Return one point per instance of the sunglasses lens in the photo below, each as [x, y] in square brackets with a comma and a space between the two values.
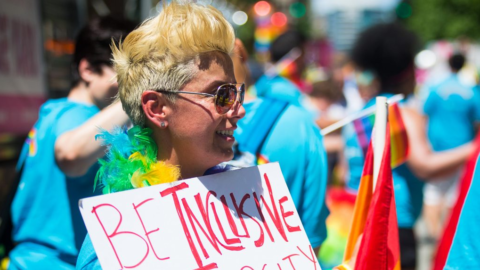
[226, 96]
[242, 93]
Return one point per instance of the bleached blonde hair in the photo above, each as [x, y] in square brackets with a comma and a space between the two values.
[161, 53]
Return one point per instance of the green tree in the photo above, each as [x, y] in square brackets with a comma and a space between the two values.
[445, 19]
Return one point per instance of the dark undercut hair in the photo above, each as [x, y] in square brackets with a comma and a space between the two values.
[456, 62]
[93, 43]
[388, 50]
[285, 43]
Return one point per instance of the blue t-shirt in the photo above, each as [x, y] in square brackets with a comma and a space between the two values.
[47, 227]
[407, 187]
[452, 108]
[465, 250]
[295, 142]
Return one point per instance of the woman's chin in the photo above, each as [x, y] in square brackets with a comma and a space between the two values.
[224, 156]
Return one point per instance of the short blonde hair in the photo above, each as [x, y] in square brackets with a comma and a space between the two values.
[161, 53]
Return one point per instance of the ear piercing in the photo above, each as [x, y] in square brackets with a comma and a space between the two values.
[162, 124]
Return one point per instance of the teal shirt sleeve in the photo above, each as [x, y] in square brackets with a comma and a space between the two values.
[465, 250]
[87, 259]
[74, 117]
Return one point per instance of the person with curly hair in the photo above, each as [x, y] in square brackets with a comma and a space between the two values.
[384, 58]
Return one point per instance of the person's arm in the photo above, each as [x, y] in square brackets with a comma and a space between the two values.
[333, 143]
[77, 149]
[324, 122]
[422, 160]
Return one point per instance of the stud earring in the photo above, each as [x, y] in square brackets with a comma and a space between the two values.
[162, 124]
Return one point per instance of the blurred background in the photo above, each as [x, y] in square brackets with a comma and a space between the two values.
[37, 42]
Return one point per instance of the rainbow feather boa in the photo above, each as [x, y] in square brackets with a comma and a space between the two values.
[131, 161]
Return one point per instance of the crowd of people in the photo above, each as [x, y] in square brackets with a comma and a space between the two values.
[182, 79]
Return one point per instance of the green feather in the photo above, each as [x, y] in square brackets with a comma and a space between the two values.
[116, 169]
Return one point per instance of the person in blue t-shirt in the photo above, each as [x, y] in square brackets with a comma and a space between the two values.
[383, 55]
[58, 161]
[289, 136]
[452, 110]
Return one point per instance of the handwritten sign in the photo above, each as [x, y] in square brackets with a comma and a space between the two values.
[243, 219]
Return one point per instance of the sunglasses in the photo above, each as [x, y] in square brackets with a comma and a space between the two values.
[225, 95]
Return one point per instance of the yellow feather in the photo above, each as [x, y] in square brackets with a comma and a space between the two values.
[137, 155]
[159, 173]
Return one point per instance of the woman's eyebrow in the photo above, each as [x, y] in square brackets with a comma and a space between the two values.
[212, 86]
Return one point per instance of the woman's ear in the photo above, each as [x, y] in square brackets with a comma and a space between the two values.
[155, 108]
[85, 71]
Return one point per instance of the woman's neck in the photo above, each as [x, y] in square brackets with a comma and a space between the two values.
[166, 153]
[80, 94]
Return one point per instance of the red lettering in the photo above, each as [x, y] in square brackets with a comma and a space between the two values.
[229, 241]
[274, 216]
[231, 222]
[241, 213]
[245, 267]
[234, 201]
[289, 257]
[191, 217]
[262, 218]
[287, 214]
[147, 234]
[116, 232]
[311, 259]
[173, 191]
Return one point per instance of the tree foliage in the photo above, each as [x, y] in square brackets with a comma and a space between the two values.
[445, 19]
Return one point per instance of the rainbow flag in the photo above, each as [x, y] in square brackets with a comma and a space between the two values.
[287, 68]
[363, 127]
[360, 212]
[261, 159]
[373, 240]
[398, 134]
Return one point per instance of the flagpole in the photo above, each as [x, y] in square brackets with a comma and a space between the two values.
[379, 130]
[360, 114]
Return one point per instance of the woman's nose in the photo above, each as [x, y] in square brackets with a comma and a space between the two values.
[237, 111]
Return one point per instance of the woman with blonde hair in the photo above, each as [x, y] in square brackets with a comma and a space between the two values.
[177, 84]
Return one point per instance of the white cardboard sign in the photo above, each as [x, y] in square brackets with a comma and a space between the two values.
[241, 220]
